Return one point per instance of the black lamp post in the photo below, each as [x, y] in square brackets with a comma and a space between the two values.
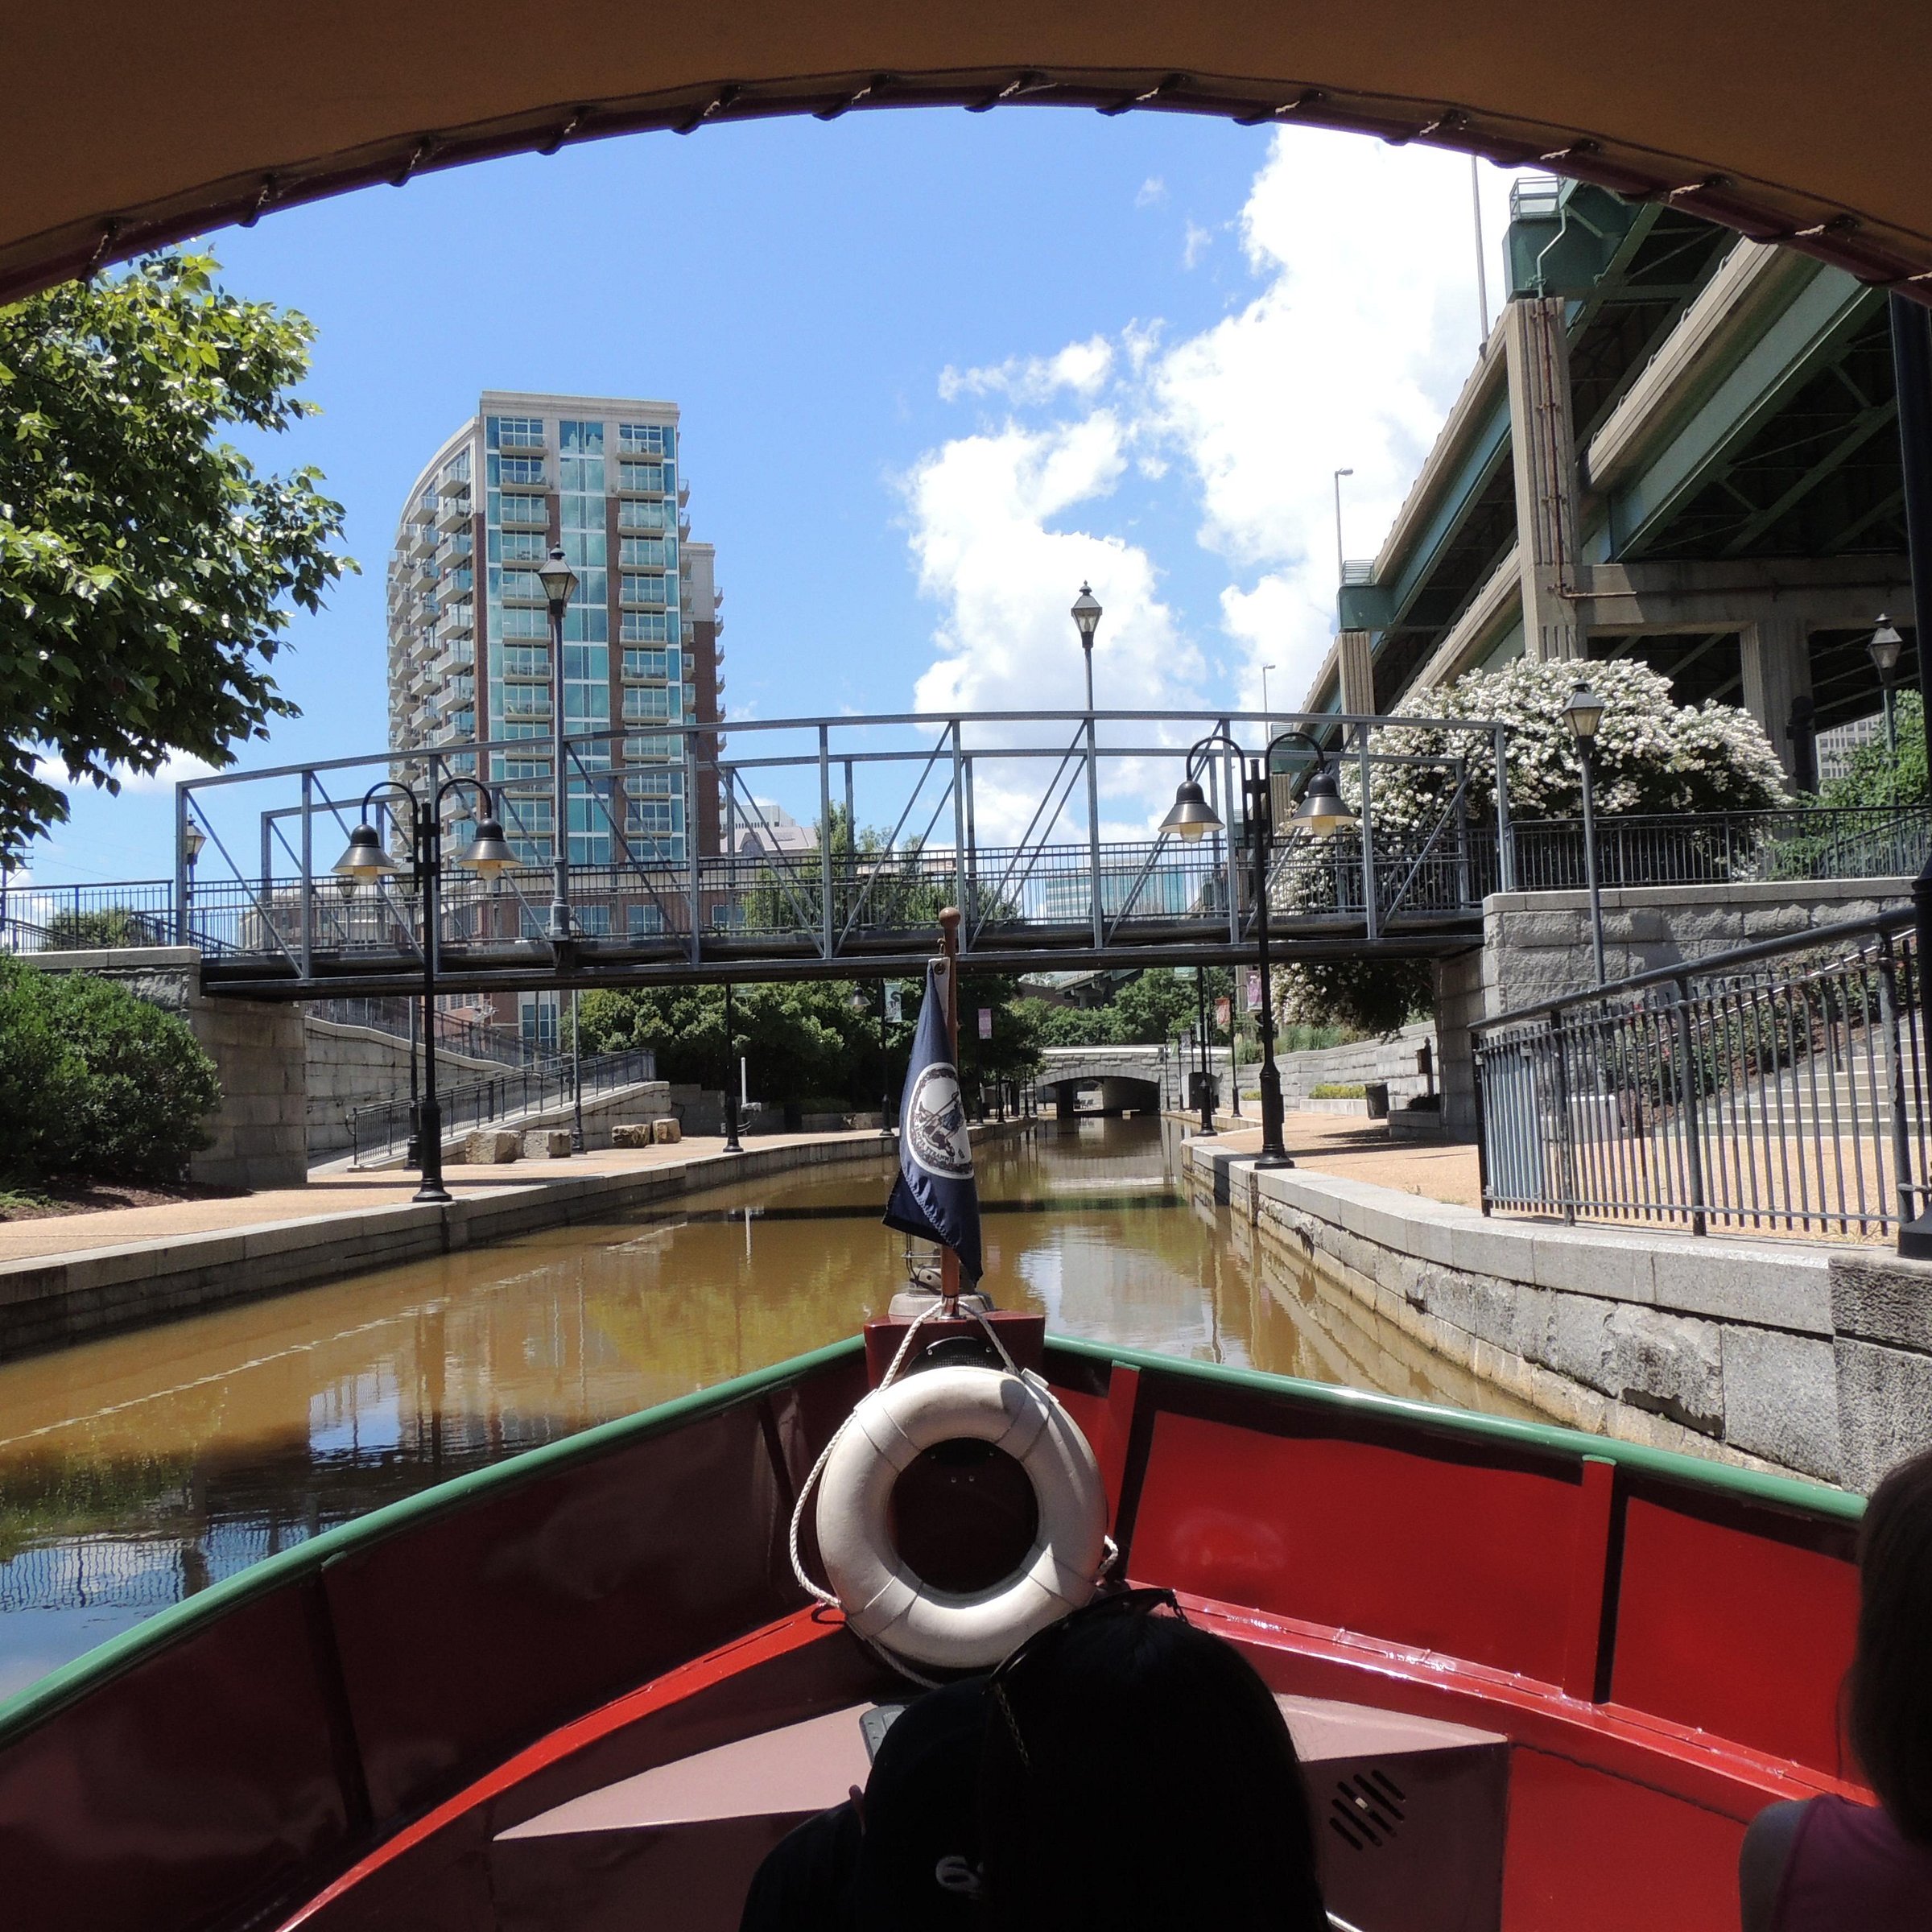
[1585, 712]
[193, 839]
[1200, 1001]
[487, 854]
[1321, 812]
[1087, 620]
[1885, 647]
[559, 581]
[731, 1086]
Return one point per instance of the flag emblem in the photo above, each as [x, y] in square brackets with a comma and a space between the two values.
[935, 1118]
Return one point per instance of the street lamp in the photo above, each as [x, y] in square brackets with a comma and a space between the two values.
[559, 581]
[1885, 647]
[487, 854]
[193, 839]
[1585, 712]
[1087, 620]
[1321, 812]
[731, 1086]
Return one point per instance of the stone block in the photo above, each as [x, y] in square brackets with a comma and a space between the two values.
[547, 1144]
[633, 1133]
[1780, 1399]
[1669, 1366]
[665, 1132]
[1884, 1409]
[1883, 1297]
[491, 1146]
[1577, 1341]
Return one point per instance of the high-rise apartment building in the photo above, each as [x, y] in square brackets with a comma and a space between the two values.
[469, 626]
[469, 646]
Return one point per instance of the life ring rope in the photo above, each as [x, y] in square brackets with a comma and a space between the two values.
[830, 1597]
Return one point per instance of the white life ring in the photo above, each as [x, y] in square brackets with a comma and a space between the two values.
[883, 1599]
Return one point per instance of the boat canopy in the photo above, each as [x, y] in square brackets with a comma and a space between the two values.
[129, 126]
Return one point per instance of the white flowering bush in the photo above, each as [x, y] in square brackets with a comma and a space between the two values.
[1652, 756]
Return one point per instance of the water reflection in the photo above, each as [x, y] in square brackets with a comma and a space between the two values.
[137, 1469]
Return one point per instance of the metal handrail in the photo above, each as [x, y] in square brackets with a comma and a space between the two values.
[380, 1127]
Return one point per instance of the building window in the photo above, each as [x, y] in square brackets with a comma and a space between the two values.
[658, 781]
[653, 818]
[513, 432]
[643, 552]
[654, 749]
[645, 922]
[645, 627]
[516, 546]
[640, 475]
[583, 439]
[579, 472]
[521, 661]
[641, 516]
[646, 439]
[521, 509]
[515, 621]
[646, 704]
[644, 587]
[644, 665]
[514, 469]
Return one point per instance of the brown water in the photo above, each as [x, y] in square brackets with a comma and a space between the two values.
[137, 1469]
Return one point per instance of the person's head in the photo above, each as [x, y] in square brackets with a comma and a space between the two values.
[1891, 1710]
[1136, 1772]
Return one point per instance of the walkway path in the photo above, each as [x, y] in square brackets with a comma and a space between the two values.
[1350, 1145]
[345, 1194]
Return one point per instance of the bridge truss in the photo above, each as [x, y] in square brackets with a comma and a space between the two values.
[985, 810]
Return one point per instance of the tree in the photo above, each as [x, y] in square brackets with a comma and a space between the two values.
[1874, 777]
[147, 567]
[1653, 755]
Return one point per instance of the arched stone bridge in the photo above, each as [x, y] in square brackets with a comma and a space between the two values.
[1128, 1077]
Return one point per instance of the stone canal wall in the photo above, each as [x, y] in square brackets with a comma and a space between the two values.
[1789, 1355]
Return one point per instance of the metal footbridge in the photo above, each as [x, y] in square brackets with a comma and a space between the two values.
[987, 812]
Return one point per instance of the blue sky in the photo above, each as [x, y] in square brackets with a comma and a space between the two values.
[935, 368]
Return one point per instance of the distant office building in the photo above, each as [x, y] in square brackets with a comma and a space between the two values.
[469, 656]
[764, 826]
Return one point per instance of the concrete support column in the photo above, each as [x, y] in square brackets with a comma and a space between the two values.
[1543, 440]
[1775, 654]
[1355, 669]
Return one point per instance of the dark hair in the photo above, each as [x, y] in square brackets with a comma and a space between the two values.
[1891, 1706]
[1138, 1773]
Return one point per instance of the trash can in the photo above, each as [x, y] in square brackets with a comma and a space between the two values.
[1375, 1093]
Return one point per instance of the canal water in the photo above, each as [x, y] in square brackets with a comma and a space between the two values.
[137, 1469]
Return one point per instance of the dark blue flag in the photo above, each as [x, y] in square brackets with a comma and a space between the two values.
[934, 1198]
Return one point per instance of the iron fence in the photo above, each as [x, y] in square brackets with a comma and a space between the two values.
[386, 1127]
[1779, 1088]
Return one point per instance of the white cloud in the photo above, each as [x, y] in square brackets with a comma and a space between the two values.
[1360, 330]
[178, 766]
[1154, 191]
[1082, 367]
[1194, 244]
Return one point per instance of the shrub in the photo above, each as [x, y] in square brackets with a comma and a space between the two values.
[96, 1082]
[103, 927]
[1336, 1090]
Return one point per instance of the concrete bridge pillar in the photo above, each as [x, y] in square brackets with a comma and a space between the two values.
[1354, 667]
[1543, 439]
[1775, 652]
[1064, 1097]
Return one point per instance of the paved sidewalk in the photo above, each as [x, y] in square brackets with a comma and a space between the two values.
[54, 1235]
[1348, 1144]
